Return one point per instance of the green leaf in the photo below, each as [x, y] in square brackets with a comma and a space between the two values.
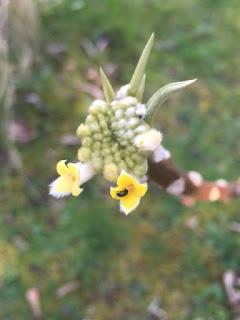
[140, 92]
[107, 87]
[140, 68]
[160, 96]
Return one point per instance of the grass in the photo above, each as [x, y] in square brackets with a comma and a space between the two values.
[122, 263]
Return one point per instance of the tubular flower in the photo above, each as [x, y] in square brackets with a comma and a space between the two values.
[117, 137]
[128, 191]
[71, 176]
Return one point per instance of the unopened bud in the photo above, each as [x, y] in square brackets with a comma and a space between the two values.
[90, 119]
[119, 114]
[86, 141]
[133, 122]
[84, 154]
[83, 130]
[142, 128]
[130, 112]
[111, 172]
[149, 140]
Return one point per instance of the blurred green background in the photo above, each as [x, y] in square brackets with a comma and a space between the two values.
[117, 265]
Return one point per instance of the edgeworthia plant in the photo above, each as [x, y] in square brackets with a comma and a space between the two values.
[117, 138]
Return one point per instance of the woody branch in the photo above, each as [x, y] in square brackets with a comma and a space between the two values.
[189, 186]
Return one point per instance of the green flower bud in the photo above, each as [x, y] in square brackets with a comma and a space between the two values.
[106, 152]
[107, 140]
[97, 145]
[142, 128]
[131, 164]
[129, 134]
[138, 157]
[115, 125]
[97, 164]
[131, 149]
[128, 101]
[119, 114]
[111, 172]
[104, 108]
[122, 123]
[84, 154]
[94, 126]
[122, 165]
[108, 159]
[86, 141]
[130, 112]
[90, 119]
[94, 109]
[141, 170]
[97, 137]
[133, 122]
[117, 157]
[83, 130]
[103, 124]
[114, 147]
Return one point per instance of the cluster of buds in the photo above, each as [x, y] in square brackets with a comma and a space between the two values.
[114, 138]
[117, 139]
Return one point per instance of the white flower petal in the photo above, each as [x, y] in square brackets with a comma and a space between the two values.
[86, 171]
[160, 154]
[57, 194]
[141, 110]
[149, 140]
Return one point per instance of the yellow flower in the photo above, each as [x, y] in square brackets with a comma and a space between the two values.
[68, 182]
[129, 191]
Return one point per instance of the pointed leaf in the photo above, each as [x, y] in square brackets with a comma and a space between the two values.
[107, 87]
[160, 96]
[140, 68]
[140, 92]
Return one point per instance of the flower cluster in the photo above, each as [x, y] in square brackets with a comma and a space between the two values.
[115, 137]
[116, 140]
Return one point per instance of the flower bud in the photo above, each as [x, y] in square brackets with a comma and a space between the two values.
[133, 122]
[94, 127]
[114, 147]
[130, 112]
[142, 128]
[141, 170]
[97, 137]
[141, 110]
[110, 172]
[98, 102]
[128, 101]
[83, 130]
[97, 145]
[117, 157]
[108, 159]
[97, 164]
[129, 134]
[119, 114]
[104, 108]
[149, 140]
[94, 109]
[86, 141]
[84, 154]
[131, 163]
[106, 152]
[90, 119]
[122, 123]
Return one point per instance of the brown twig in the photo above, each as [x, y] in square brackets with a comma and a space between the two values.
[190, 186]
